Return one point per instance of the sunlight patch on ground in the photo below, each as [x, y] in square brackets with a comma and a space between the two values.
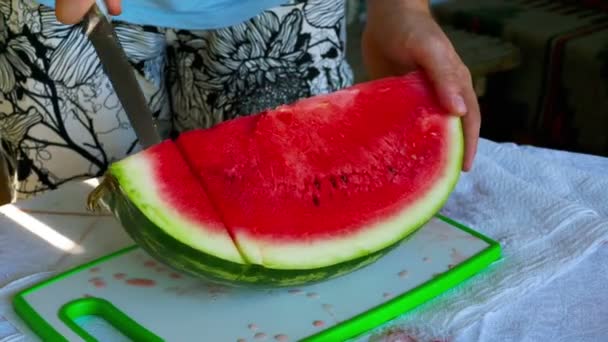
[93, 182]
[40, 229]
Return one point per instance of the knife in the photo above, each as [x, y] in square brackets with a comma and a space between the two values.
[97, 28]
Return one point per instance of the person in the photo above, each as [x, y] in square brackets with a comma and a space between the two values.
[199, 62]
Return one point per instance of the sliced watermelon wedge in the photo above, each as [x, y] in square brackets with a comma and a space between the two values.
[330, 178]
[304, 192]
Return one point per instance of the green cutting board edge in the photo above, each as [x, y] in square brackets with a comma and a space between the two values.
[52, 308]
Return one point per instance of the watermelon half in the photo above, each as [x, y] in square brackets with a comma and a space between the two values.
[302, 193]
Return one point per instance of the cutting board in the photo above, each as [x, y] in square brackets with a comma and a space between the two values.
[128, 296]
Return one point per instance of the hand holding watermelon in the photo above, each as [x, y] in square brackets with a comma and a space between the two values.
[402, 35]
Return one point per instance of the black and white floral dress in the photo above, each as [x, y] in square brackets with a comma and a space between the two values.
[61, 121]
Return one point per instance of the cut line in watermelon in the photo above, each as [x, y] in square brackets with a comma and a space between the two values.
[301, 193]
[178, 205]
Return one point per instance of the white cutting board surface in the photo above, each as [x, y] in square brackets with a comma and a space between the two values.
[177, 307]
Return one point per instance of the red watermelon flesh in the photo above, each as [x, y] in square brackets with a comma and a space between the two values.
[330, 178]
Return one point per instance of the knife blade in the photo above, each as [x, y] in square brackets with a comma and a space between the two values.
[99, 30]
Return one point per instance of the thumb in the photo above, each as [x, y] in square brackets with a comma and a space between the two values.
[448, 85]
[72, 12]
[449, 90]
[446, 73]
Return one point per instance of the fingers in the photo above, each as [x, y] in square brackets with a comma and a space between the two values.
[471, 123]
[72, 11]
[114, 7]
[454, 87]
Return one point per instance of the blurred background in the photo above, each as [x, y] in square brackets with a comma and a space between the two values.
[540, 66]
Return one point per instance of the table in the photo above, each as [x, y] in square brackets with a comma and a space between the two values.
[51, 233]
[564, 298]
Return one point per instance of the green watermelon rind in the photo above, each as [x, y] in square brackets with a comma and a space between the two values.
[179, 256]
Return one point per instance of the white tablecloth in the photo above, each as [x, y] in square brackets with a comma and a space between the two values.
[548, 209]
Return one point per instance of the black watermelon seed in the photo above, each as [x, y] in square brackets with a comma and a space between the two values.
[317, 184]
